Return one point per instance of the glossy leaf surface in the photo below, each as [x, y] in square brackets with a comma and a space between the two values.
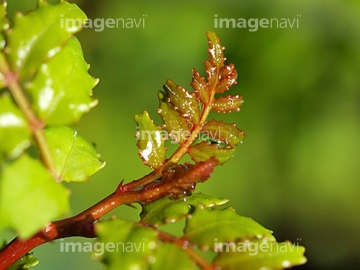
[203, 151]
[201, 87]
[227, 133]
[167, 210]
[150, 142]
[14, 132]
[204, 225]
[40, 34]
[61, 91]
[227, 104]
[260, 254]
[176, 126]
[75, 159]
[183, 101]
[36, 200]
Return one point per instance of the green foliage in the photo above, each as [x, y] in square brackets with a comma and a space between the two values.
[47, 87]
[26, 262]
[43, 61]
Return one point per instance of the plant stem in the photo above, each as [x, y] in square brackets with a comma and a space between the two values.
[35, 125]
[83, 223]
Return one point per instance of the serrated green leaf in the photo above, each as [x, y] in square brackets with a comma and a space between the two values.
[25, 262]
[183, 101]
[216, 50]
[176, 126]
[260, 254]
[171, 256]
[167, 210]
[203, 151]
[205, 227]
[29, 196]
[14, 132]
[39, 35]
[227, 104]
[126, 245]
[151, 145]
[75, 159]
[61, 91]
[227, 133]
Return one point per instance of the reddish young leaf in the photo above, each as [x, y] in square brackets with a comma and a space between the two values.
[227, 104]
[228, 77]
[216, 50]
[200, 86]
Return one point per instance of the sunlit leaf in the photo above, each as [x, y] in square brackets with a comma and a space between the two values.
[39, 35]
[61, 91]
[150, 141]
[204, 227]
[259, 254]
[14, 132]
[176, 126]
[167, 210]
[75, 159]
[124, 245]
[29, 196]
[227, 104]
[203, 151]
[183, 101]
[227, 133]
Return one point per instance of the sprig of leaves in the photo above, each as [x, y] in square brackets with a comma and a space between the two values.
[45, 86]
[185, 114]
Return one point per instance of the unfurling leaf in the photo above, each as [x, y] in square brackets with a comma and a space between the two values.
[203, 151]
[61, 98]
[176, 126]
[150, 142]
[167, 210]
[259, 254]
[228, 75]
[224, 132]
[201, 87]
[183, 101]
[39, 35]
[29, 196]
[75, 159]
[237, 227]
[227, 104]
[14, 131]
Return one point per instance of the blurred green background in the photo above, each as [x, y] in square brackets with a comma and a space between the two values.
[297, 172]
